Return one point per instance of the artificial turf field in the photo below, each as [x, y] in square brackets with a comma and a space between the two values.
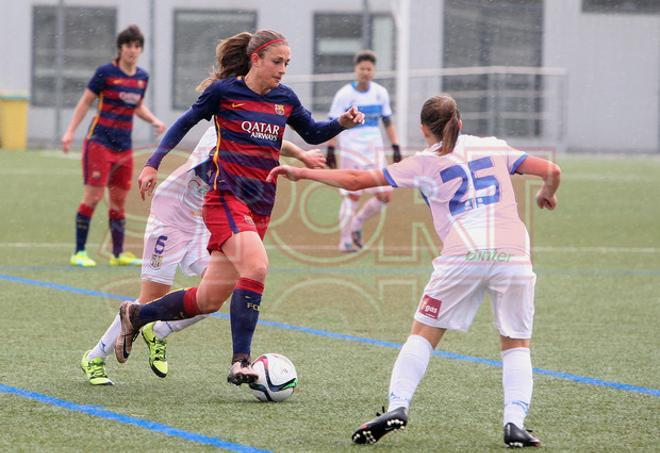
[340, 318]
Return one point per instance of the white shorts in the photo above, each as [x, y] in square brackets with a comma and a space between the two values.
[166, 246]
[368, 154]
[457, 286]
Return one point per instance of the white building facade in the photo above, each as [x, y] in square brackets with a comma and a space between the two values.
[602, 92]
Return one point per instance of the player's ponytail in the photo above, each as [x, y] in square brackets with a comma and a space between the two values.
[230, 59]
[450, 133]
[441, 115]
[232, 55]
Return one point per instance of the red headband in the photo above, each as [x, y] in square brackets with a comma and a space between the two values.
[263, 46]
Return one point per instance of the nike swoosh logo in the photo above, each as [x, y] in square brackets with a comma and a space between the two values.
[235, 105]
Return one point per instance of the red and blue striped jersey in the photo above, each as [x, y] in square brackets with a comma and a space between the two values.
[119, 95]
[250, 128]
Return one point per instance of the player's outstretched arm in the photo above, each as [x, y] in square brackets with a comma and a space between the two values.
[313, 158]
[350, 180]
[351, 118]
[551, 175]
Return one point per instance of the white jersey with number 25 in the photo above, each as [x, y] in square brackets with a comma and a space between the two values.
[470, 194]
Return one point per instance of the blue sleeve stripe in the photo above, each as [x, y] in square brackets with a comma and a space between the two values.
[517, 163]
[389, 178]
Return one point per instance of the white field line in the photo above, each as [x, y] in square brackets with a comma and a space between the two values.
[591, 249]
[41, 245]
[540, 248]
[39, 172]
[568, 177]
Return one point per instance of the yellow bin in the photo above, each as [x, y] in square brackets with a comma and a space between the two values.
[13, 120]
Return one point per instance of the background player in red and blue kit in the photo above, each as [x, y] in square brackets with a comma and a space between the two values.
[107, 157]
[250, 109]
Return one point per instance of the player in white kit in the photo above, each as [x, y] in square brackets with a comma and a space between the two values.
[361, 148]
[466, 182]
[175, 236]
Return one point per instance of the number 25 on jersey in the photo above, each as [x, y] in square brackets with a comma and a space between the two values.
[458, 204]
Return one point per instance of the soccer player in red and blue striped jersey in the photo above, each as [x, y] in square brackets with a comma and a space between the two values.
[107, 157]
[250, 109]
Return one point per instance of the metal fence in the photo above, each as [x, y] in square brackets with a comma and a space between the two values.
[526, 106]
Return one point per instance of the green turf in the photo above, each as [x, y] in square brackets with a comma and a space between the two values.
[597, 311]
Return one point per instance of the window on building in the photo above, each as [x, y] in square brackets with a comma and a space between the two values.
[337, 38]
[89, 41]
[502, 33]
[196, 34]
[621, 6]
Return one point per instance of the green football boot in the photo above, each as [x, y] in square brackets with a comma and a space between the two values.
[157, 350]
[80, 259]
[125, 259]
[94, 370]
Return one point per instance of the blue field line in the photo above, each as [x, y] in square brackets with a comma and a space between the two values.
[364, 340]
[71, 289]
[98, 411]
[460, 357]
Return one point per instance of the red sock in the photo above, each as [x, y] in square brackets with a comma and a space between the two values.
[85, 210]
[250, 285]
[190, 302]
[114, 214]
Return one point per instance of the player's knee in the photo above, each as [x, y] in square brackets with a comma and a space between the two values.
[92, 200]
[255, 269]
[258, 271]
[384, 197]
[117, 203]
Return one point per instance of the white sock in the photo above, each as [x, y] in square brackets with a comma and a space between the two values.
[517, 383]
[346, 214]
[163, 328]
[372, 207]
[107, 342]
[408, 371]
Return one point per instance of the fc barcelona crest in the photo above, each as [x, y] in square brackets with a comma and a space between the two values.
[248, 220]
[279, 109]
[141, 83]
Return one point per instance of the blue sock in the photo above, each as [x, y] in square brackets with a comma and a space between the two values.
[244, 314]
[170, 307]
[82, 229]
[117, 228]
[83, 219]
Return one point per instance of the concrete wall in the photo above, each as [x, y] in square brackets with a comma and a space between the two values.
[613, 64]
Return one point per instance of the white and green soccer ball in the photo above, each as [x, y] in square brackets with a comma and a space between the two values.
[277, 377]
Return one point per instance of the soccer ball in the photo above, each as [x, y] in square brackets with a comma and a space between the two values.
[277, 377]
